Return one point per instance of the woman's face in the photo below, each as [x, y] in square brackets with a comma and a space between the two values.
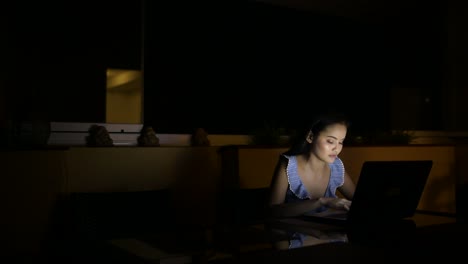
[329, 143]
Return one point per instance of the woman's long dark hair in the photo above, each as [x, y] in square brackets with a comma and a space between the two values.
[299, 144]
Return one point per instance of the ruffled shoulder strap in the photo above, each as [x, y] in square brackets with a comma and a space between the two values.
[295, 184]
[337, 175]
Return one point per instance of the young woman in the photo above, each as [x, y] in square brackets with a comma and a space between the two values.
[308, 175]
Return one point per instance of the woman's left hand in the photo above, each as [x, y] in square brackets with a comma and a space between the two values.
[335, 203]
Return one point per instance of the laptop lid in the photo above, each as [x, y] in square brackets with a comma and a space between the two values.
[385, 191]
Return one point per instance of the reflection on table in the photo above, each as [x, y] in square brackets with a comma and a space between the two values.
[293, 233]
[422, 238]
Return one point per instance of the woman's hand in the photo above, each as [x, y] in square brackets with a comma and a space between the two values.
[335, 203]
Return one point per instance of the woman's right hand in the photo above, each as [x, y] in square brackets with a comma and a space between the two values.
[335, 203]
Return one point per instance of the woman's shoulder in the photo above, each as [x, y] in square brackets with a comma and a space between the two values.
[285, 156]
[288, 160]
[337, 165]
[338, 161]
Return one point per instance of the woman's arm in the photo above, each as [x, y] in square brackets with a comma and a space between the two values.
[348, 187]
[294, 209]
[279, 183]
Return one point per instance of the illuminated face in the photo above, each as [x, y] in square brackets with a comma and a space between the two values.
[329, 143]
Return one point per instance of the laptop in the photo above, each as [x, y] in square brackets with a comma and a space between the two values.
[386, 191]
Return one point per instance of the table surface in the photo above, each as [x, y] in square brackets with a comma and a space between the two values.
[422, 237]
[296, 232]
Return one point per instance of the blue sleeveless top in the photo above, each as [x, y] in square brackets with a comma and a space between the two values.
[297, 191]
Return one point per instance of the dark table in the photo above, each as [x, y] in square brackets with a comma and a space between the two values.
[423, 238]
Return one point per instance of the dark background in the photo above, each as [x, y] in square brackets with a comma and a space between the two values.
[227, 66]
[237, 67]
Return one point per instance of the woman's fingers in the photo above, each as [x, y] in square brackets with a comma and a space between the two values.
[337, 203]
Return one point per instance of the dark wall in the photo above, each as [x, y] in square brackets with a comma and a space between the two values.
[228, 67]
[58, 54]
